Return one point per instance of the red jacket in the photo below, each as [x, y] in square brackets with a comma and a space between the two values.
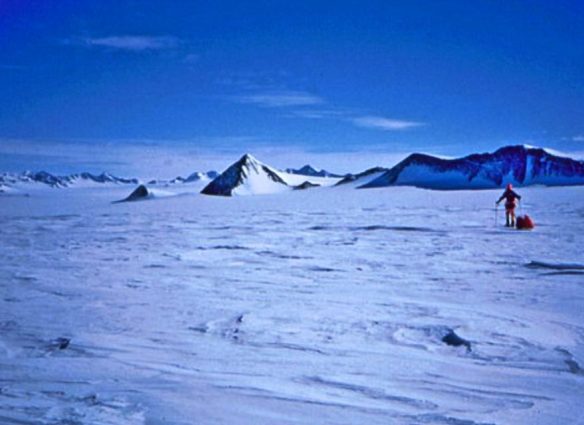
[510, 196]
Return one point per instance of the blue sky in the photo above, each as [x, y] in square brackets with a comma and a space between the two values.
[170, 87]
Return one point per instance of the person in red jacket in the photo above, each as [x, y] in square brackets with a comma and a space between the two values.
[511, 199]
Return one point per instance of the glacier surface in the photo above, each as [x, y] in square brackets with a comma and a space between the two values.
[325, 306]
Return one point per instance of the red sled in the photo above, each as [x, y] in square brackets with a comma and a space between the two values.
[524, 222]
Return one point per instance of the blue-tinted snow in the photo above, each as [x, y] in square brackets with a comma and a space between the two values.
[327, 306]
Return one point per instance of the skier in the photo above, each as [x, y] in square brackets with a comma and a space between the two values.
[510, 201]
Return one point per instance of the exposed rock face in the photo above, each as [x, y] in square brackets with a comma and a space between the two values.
[520, 165]
[140, 193]
[451, 338]
[246, 177]
[306, 185]
[349, 178]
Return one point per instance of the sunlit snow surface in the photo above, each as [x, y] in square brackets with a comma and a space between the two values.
[319, 307]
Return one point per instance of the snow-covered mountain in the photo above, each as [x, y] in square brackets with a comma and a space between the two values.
[198, 176]
[308, 170]
[520, 165]
[195, 177]
[8, 180]
[248, 176]
[43, 177]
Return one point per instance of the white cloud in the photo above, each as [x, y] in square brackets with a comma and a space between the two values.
[578, 138]
[319, 113]
[143, 158]
[387, 124]
[306, 105]
[280, 99]
[147, 159]
[136, 43]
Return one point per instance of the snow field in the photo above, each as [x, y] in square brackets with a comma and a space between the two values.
[323, 306]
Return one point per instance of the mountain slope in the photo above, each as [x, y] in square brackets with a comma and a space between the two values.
[520, 165]
[248, 176]
[365, 177]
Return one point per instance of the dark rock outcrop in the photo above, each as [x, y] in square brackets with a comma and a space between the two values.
[451, 338]
[306, 185]
[349, 178]
[139, 194]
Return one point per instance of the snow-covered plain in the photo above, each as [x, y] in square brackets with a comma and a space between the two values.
[324, 306]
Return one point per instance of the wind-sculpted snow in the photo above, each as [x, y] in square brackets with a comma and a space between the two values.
[317, 306]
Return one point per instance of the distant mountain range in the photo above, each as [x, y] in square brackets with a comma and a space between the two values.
[310, 171]
[521, 165]
[52, 180]
[193, 178]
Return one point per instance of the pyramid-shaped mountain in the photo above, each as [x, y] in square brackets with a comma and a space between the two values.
[248, 176]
